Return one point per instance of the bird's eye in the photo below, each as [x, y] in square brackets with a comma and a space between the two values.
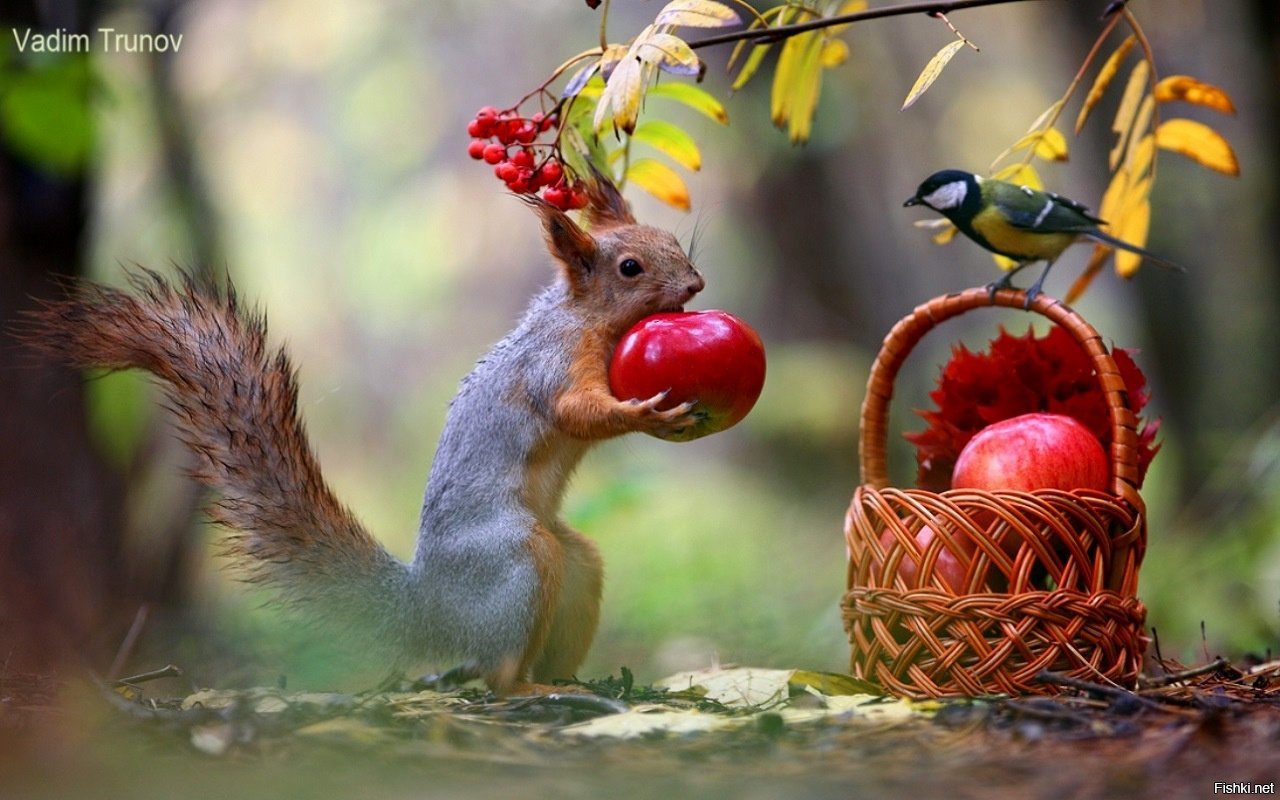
[630, 268]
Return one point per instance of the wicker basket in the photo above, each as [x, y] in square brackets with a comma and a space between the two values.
[1064, 564]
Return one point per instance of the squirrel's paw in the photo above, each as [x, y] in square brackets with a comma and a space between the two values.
[649, 418]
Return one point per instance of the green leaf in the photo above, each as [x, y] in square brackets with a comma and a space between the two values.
[694, 97]
[671, 141]
[698, 14]
[659, 180]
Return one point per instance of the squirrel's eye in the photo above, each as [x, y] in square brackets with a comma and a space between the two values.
[630, 268]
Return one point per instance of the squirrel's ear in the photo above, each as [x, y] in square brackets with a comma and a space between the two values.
[605, 206]
[570, 244]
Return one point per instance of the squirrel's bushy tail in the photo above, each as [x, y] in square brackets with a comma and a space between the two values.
[235, 402]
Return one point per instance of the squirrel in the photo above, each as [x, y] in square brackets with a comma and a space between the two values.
[498, 583]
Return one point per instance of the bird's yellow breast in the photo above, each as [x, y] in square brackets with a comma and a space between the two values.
[1018, 243]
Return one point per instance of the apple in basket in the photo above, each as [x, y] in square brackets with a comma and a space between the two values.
[710, 358]
[1032, 451]
[949, 567]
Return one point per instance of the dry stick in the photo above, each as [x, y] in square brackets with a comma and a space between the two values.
[168, 671]
[130, 639]
[787, 31]
[1179, 677]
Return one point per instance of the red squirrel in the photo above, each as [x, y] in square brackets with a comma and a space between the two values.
[498, 582]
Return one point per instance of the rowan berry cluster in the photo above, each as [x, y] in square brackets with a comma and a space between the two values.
[508, 141]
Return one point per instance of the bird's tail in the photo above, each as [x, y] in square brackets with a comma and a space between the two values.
[1111, 241]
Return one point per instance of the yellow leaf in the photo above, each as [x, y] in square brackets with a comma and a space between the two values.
[670, 140]
[797, 84]
[694, 97]
[1137, 220]
[621, 97]
[1052, 146]
[1141, 124]
[697, 14]
[946, 234]
[931, 72]
[1138, 160]
[1049, 143]
[834, 53]
[660, 181]
[1129, 101]
[1020, 175]
[1044, 117]
[1103, 80]
[758, 52]
[1113, 197]
[946, 230]
[669, 53]
[1199, 142]
[1188, 89]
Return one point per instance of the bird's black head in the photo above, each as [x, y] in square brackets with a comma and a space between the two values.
[947, 191]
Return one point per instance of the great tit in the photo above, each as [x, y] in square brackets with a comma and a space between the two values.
[1019, 222]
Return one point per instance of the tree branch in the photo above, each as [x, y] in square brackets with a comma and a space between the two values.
[786, 31]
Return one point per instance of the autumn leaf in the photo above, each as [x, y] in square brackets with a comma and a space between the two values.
[783, 14]
[1190, 90]
[660, 181]
[1128, 109]
[693, 97]
[1200, 143]
[797, 84]
[1021, 175]
[670, 140]
[1103, 80]
[1049, 144]
[668, 53]
[931, 72]
[697, 14]
[1132, 224]
[620, 100]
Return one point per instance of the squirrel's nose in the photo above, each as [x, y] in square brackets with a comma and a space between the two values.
[696, 285]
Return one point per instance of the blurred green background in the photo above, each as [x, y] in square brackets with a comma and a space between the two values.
[316, 151]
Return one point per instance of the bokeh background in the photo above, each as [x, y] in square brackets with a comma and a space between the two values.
[316, 152]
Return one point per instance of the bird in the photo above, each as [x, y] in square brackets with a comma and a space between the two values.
[1018, 222]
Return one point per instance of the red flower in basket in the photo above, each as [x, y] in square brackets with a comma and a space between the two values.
[1022, 375]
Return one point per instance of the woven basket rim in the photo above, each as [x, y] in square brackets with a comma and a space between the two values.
[907, 333]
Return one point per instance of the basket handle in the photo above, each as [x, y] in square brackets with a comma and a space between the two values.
[911, 328]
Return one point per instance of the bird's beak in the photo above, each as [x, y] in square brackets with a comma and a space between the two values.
[911, 201]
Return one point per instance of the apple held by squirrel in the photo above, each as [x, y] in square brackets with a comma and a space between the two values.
[498, 582]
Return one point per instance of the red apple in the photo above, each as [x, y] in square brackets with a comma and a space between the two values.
[1033, 451]
[711, 358]
[949, 566]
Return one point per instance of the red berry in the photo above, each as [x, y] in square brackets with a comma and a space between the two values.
[476, 149]
[506, 171]
[555, 196]
[494, 153]
[486, 111]
[507, 131]
[519, 185]
[526, 133]
[474, 129]
[551, 172]
[522, 158]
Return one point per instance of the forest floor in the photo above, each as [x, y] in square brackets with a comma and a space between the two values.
[740, 733]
